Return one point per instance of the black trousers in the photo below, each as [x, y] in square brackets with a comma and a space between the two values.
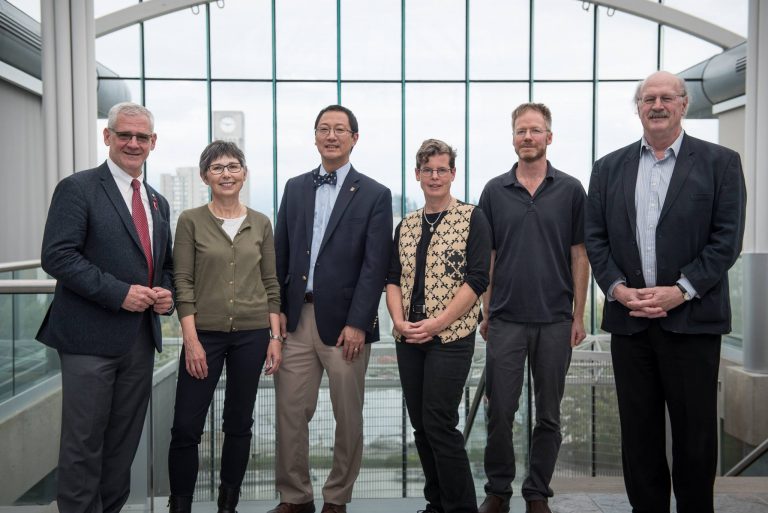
[244, 353]
[433, 377]
[654, 368]
[104, 403]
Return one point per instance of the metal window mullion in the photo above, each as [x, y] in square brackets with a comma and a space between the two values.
[208, 85]
[338, 52]
[274, 114]
[595, 83]
[530, 50]
[402, 110]
[466, 100]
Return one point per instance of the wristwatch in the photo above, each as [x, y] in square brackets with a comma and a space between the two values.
[686, 295]
[276, 337]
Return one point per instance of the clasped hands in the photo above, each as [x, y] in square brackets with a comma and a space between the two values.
[139, 298]
[651, 302]
[419, 332]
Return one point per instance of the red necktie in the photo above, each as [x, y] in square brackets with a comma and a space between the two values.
[142, 227]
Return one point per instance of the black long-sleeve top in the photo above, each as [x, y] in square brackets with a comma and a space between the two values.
[478, 255]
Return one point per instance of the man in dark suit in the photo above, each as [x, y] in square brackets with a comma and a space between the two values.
[665, 220]
[107, 242]
[332, 240]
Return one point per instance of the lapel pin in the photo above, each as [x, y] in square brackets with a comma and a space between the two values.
[352, 189]
[154, 202]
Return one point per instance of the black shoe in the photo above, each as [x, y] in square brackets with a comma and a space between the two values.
[178, 504]
[429, 509]
[228, 498]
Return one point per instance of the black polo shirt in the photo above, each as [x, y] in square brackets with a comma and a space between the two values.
[532, 237]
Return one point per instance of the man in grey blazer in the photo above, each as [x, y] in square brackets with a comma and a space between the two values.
[107, 242]
[332, 241]
[665, 221]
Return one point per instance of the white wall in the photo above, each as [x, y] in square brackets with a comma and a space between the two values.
[22, 182]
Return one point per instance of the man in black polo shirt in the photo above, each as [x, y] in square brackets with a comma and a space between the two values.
[534, 306]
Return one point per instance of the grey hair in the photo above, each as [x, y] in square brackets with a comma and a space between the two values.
[218, 149]
[680, 83]
[129, 109]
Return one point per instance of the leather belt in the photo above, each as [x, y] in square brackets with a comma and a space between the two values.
[309, 297]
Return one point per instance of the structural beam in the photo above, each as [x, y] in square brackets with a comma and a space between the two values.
[679, 20]
[141, 12]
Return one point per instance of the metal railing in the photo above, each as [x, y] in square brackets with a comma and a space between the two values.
[750, 460]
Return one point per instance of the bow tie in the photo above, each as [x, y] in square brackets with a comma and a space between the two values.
[320, 180]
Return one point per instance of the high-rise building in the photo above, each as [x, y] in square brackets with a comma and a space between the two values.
[229, 125]
[183, 190]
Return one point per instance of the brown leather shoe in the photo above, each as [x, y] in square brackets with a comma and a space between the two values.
[494, 504]
[537, 506]
[333, 508]
[287, 507]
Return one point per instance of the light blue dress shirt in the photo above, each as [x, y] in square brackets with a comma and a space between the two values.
[653, 177]
[325, 199]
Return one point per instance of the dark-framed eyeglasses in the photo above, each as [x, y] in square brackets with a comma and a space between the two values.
[217, 169]
[125, 137]
[429, 172]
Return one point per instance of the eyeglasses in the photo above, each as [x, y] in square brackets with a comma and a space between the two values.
[429, 172]
[535, 132]
[125, 137]
[325, 131]
[666, 99]
[217, 169]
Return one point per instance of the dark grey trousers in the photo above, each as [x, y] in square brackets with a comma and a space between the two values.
[549, 350]
[102, 415]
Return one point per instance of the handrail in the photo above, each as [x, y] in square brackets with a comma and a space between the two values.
[748, 460]
[27, 286]
[19, 266]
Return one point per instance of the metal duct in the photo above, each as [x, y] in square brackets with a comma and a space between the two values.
[21, 46]
[716, 80]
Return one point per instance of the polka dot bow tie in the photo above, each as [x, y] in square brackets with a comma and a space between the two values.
[320, 180]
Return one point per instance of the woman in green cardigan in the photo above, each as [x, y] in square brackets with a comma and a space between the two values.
[228, 301]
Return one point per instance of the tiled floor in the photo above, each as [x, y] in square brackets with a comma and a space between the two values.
[582, 495]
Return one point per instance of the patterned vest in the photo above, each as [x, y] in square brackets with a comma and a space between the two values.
[444, 270]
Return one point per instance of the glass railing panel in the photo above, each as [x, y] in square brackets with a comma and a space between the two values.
[6, 342]
[591, 444]
[33, 362]
[390, 467]
[24, 361]
[736, 294]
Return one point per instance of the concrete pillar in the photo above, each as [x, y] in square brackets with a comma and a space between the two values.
[755, 254]
[69, 88]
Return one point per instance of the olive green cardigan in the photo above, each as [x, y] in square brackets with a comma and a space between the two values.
[228, 285]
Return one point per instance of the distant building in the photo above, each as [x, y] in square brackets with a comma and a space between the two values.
[183, 190]
[229, 125]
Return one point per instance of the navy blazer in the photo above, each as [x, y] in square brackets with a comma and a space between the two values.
[91, 247]
[699, 234]
[352, 262]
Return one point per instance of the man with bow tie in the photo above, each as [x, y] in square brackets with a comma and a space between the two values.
[332, 241]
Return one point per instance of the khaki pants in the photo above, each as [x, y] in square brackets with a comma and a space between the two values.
[297, 385]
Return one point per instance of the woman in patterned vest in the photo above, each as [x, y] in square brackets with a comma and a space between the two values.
[439, 270]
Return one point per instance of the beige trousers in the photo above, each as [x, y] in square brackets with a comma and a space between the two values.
[297, 384]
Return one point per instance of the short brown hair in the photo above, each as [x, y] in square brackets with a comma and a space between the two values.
[432, 147]
[538, 107]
